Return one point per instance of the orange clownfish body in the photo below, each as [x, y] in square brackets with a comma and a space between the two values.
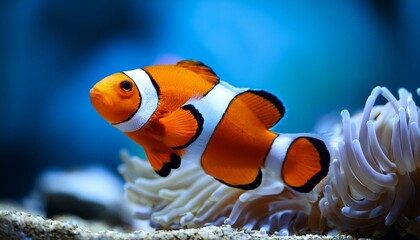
[184, 112]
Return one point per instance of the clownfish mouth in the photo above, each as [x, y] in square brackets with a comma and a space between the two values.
[99, 101]
[96, 97]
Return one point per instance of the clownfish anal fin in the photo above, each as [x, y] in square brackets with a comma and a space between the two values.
[306, 163]
[182, 127]
[267, 107]
[256, 182]
[199, 68]
[246, 179]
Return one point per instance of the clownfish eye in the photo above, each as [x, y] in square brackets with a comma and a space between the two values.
[126, 86]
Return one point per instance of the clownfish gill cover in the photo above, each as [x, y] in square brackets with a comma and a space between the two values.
[213, 158]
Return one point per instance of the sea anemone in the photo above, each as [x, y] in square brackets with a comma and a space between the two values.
[191, 198]
[373, 183]
[374, 180]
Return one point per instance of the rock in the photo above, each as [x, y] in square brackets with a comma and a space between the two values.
[90, 193]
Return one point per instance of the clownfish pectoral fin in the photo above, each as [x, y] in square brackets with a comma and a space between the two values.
[267, 107]
[201, 69]
[246, 179]
[306, 163]
[182, 127]
[162, 163]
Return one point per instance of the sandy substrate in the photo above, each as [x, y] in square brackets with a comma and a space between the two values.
[21, 225]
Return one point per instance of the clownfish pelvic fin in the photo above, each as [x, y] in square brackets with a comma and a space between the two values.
[300, 160]
[163, 162]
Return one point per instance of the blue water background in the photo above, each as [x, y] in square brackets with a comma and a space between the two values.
[317, 56]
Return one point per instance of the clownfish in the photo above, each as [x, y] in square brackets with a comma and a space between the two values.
[185, 112]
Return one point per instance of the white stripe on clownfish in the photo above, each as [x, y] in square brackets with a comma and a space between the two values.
[212, 107]
[149, 101]
[277, 151]
[274, 162]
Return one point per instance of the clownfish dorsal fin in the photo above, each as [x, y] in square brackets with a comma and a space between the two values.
[267, 107]
[182, 127]
[306, 163]
[199, 68]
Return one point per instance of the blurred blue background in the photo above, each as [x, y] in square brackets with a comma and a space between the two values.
[318, 57]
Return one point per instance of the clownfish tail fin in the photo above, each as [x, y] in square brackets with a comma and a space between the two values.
[301, 161]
